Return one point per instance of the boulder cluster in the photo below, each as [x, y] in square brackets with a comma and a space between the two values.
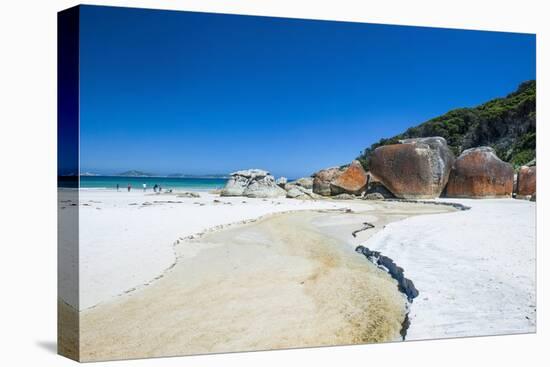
[335, 181]
[254, 183]
[257, 183]
[426, 168]
[421, 168]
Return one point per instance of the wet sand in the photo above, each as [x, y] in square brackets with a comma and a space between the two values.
[288, 280]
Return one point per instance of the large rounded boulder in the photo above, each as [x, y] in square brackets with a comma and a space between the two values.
[413, 169]
[323, 179]
[353, 180]
[527, 181]
[479, 173]
[253, 183]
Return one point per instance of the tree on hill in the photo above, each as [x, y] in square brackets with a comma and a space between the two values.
[507, 124]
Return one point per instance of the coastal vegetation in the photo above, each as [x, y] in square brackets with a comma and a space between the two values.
[507, 124]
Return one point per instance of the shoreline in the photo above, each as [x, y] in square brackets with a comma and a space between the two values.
[209, 261]
[145, 230]
[404, 233]
[196, 236]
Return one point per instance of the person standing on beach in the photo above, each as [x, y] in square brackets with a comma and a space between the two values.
[155, 188]
[144, 187]
[129, 187]
[117, 187]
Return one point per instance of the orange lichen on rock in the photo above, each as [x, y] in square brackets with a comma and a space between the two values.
[415, 168]
[527, 181]
[352, 181]
[479, 173]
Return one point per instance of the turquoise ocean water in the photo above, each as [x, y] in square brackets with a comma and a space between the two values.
[167, 183]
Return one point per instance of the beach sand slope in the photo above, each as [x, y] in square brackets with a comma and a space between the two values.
[127, 239]
[276, 283]
[474, 269]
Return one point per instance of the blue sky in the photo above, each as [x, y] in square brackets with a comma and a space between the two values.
[198, 93]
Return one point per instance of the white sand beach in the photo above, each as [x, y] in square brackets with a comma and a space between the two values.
[283, 280]
[475, 269]
[171, 275]
[127, 239]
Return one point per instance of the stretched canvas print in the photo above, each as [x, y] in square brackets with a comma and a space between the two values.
[235, 183]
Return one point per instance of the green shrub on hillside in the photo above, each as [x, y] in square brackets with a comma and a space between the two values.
[507, 124]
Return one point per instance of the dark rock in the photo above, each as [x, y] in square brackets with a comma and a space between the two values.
[404, 285]
[344, 197]
[374, 196]
[375, 186]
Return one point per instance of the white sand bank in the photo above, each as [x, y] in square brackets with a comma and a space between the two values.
[287, 280]
[124, 243]
[275, 283]
[475, 269]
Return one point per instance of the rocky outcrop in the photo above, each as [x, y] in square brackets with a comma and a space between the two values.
[305, 182]
[294, 192]
[353, 180]
[414, 168]
[405, 285]
[479, 173]
[323, 178]
[281, 182]
[507, 124]
[340, 180]
[299, 192]
[254, 183]
[527, 182]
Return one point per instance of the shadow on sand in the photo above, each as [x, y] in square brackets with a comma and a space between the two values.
[50, 346]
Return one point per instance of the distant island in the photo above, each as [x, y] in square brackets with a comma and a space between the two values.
[89, 174]
[183, 175]
[135, 173]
